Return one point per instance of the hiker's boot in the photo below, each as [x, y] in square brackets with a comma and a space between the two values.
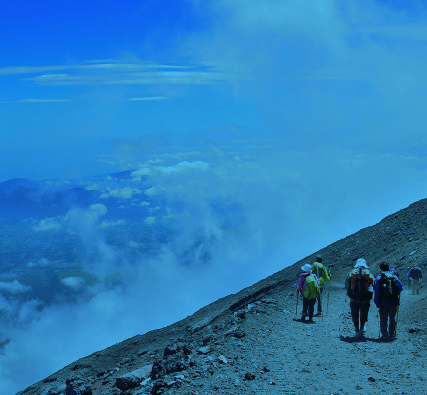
[362, 330]
[357, 330]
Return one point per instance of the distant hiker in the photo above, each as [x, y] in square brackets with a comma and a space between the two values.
[309, 287]
[322, 274]
[359, 285]
[408, 277]
[387, 298]
[415, 275]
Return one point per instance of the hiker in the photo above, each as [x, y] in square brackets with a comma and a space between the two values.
[387, 298]
[322, 274]
[408, 277]
[415, 275]
[359, 285]
[309, 287]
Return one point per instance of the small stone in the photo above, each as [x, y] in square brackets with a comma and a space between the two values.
[221, 359]
[204, 350]
[249, 376]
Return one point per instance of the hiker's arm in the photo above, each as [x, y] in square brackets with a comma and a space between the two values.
[400, 284]
[300, 284]
[377, 295]
[326, 276]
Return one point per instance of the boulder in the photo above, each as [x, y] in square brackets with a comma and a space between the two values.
[133, 379]
[75, 385]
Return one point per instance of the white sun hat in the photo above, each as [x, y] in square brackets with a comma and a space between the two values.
[361, 263]
[306, 268]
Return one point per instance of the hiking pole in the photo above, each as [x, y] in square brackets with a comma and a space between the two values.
[321, 302]
[397, 317]
[296, 307]
[329, 289]
[327, 302]
[379, 322]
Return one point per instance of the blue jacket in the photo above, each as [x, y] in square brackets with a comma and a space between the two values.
[377, 299]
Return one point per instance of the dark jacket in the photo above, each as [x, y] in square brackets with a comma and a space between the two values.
[377, 298]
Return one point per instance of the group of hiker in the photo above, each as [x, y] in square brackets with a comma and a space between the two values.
[361, 287]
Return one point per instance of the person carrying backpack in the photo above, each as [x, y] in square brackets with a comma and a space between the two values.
[387, 298]
[359, 289]
[309, 287]
[322, 274]
[415, 275]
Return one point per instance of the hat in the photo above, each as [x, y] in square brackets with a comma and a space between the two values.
[361, 263]
[306, 268]
[319, 259]
[384, 267]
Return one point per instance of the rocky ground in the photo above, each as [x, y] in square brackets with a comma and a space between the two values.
[250, 343]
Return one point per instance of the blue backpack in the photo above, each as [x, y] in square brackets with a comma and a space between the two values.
[415, 273]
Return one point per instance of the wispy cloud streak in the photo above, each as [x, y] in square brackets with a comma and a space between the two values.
[116, 73]
[38, 101]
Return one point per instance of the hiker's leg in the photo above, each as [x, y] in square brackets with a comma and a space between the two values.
[416, 283]
[413, 281]
[354, 309]
[383, 320]
[392, 323]
[311, 303]
[319, 302]
[364, 310]
[304, 307]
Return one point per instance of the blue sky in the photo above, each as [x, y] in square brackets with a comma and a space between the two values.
[310, 115]
[80, 78]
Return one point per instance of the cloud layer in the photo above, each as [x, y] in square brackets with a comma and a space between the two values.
[287, 126]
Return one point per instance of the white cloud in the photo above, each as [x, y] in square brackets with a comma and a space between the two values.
[122, 193]
[148, 98]
[38, 101]
[108, 224]
[14, 287]
[134, 244]
[73, 282]
[183, 166]
[47, 224]
[146, 170]
[150, 220]
[98, 209]
[139, 173]
[117, 73]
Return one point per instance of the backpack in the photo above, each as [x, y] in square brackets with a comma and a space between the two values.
[388, 288]
[358, 285]
[312, 289]
[318, 270]
[415, 273]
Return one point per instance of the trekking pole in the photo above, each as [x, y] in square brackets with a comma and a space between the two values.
[329, 289]
[327, 303]
[321, 302]
[379, 322]
[296, 307]
[397, 318]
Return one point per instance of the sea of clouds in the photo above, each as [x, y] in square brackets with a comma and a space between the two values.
[233, 219]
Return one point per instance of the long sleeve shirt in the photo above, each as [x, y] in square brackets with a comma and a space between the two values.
[377, 298]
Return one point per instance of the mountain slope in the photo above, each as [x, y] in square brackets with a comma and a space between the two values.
[249, 343]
